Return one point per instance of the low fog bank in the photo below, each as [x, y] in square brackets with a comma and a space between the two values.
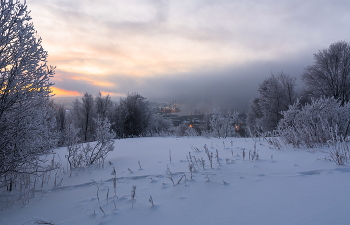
[227, 88]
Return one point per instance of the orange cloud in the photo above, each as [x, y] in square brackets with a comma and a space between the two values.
[61, 92]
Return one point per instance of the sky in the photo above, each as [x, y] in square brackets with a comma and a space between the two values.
[207, 53]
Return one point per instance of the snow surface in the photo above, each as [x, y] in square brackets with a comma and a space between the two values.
[297, 186]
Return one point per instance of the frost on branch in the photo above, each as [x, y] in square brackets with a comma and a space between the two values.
[315, 123]
[26, 120]
[339, 151]
[222, 125]
[82, 154]
[104, 142]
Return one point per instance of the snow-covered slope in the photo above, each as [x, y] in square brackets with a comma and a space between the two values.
[287, 186]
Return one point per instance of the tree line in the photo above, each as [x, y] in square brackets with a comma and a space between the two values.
[133, 116]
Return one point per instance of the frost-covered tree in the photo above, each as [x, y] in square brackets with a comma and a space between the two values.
[159, 126]
[180, 130]
[254, 117]
[329, 76]
[104, 106]
[204, 126]
[223, 125]
[276, 93]
[26, 120]
[216, 122]
[230, 120]
[83, 113]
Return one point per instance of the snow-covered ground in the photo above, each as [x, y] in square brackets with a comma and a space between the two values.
[287, 186]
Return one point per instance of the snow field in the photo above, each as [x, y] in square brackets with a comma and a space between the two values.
[296, 186]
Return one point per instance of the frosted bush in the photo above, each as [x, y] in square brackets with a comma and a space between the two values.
[315, 123]
[339, 150]
[191, 132]
[80, 154]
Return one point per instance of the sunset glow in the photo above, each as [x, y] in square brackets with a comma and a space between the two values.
[61, 92]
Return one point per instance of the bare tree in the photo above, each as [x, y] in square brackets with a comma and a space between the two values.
[329, 76]
[276, 93]
[61, 123]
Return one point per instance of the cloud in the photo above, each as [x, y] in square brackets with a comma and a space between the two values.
[61, 92]
[199, 51]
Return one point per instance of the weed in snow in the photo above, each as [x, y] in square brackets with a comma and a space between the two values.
[228, 160]
[102, 210]
[139, 165]
[133, 195]
[40, 221]
[107, 195]
[114, 173]
[202, 161]
[183, 176]
[190, 167]
[217, 157]
[195, 160]
[207, 175]
[169, 175]
[170, 155]
[195, 149]
[98, 188]
[151, 200]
